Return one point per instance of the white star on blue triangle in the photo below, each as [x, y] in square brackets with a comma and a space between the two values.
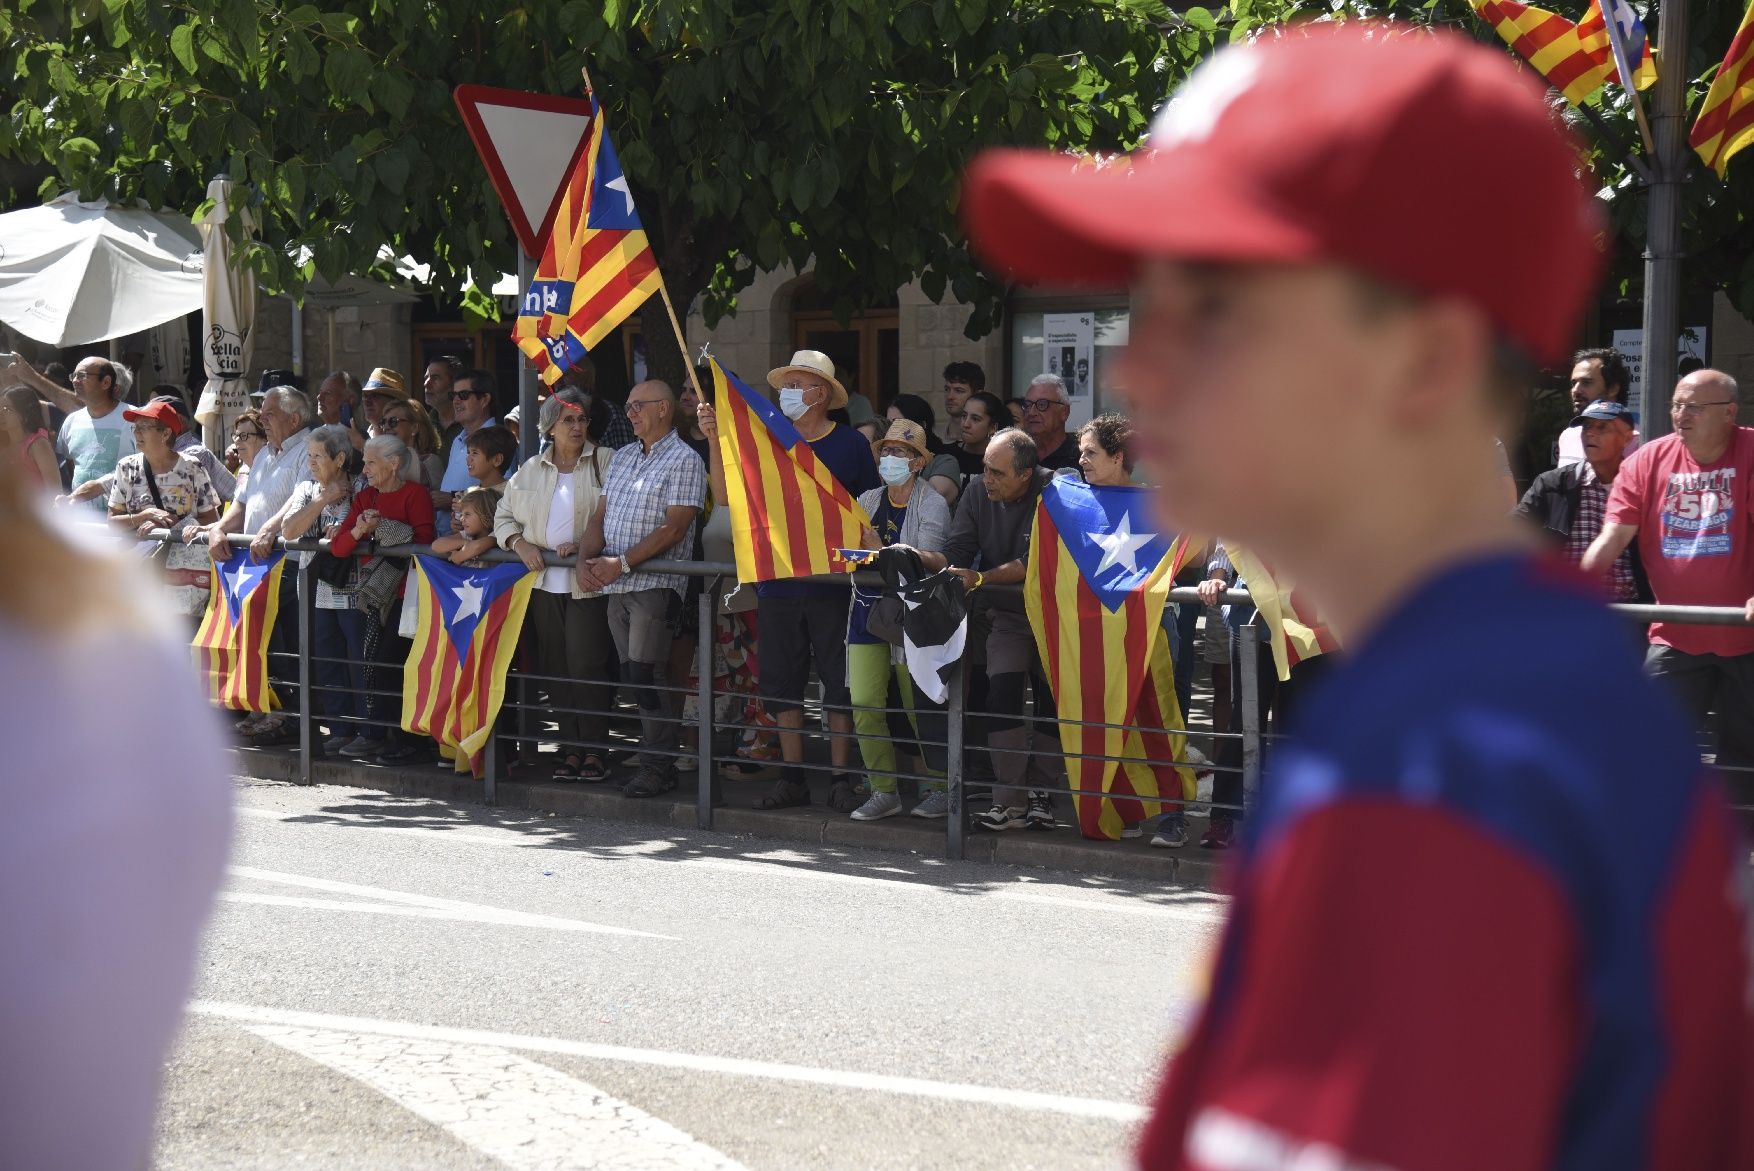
[240, 575]
[465, 595]
[611, 202]
[1110, 533]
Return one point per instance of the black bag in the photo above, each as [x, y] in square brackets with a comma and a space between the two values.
[335, 572]
[888, 612]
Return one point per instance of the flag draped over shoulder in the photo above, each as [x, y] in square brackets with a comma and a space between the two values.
[597, 266]
[1295, 631]
[1099, 577]
[231, 647]
[788, 512]
[467, 631]
[1576, 59]
[1726, 118]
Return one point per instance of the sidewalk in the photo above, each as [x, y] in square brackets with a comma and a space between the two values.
[1063, 849]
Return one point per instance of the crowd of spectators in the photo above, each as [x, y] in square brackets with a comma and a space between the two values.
[382, 461]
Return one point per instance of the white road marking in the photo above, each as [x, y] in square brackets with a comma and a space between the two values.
[1208, 912]
[526, 1115]
[474, 911]
[251, 1015]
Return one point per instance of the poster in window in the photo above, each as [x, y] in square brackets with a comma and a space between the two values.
[1069, 350]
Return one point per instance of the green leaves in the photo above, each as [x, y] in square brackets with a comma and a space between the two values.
[183, 48]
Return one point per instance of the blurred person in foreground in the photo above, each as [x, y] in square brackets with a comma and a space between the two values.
[110, 857]
[1472, 927]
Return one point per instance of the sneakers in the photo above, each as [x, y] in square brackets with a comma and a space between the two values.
[359, 746]
[1171, 835]
[879, 806]
[1000, 817]
[1218, 835]
[406, 754]
[334, 744]
[1041, 812]
[936, 803]
[1132, 831]
[649, 782]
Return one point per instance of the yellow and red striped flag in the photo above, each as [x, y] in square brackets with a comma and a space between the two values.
[231, 647]
[1098, 580]
[467, 632]
[788, 512]
[1726, 120]
[1576, 59]
[1296, 632]
[597, 266]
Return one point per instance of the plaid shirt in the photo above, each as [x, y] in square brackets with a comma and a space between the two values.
[640, 488]
[1592, 512]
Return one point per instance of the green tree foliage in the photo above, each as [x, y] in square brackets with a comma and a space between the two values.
[756, 133]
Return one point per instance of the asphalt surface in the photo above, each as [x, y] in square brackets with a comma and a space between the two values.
[399, 982]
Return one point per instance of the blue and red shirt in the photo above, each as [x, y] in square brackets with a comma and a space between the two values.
[1493, 914]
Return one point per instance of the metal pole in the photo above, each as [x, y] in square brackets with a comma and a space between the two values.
[703, 712]
[957, 829]
[529, 441]
[1248, 639]
[307, 732]
[1662, 257]
[490, 768]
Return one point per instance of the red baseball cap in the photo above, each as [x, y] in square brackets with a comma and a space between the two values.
[1419, 158]
[158, 411]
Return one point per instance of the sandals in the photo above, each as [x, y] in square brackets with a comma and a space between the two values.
[592, 770]
[567, 770]
[785, 795]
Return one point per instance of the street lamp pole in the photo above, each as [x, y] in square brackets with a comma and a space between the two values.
[1662, 256]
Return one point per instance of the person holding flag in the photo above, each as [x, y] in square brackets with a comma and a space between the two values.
[1463, 933]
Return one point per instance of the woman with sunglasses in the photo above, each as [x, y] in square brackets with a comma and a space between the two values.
[408, 421]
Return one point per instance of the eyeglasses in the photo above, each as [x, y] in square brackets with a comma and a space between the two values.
[80, 375]
[240, 436]
[1695, 408]
[398, 421]
[1036, 406]
[635, 406]
[471, 393]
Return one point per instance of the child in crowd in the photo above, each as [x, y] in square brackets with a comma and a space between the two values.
[471, 532]
[488, 456]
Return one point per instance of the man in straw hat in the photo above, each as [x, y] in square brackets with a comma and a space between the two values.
[805, 622]
[1464, 935]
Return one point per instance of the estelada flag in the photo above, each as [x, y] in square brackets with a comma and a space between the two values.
[1100, 572]
[1726, 118]
[1295, 631]
[231, 646]
[1576, 59]
[464, 639]
[788, 512]
[597, 266]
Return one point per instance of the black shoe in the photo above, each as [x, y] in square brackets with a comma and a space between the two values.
[1039, 815]
[407, 754]
[847, 793]
[649, 782]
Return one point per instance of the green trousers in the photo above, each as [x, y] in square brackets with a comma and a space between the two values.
[868, 673]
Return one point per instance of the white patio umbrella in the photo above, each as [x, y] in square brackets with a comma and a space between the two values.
[73, 272]
[228, 320]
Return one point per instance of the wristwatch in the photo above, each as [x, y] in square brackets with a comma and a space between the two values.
[625, 567]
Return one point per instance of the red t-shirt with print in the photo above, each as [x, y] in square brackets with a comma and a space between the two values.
[1695, 534]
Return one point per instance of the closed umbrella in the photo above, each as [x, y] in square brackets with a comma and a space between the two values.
[228, 320]
[75, 272]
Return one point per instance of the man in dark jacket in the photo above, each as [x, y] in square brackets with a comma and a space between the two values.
[1571, 502]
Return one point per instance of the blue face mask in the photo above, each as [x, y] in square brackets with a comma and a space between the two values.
[792, 402]
[894, 470]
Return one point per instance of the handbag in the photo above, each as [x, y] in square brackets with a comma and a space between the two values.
[888, 612]
[335, 572]
[380, 583]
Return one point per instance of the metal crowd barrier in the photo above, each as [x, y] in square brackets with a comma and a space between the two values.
[722, 576]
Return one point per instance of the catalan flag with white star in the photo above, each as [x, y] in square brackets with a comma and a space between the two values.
[1100, 572]
[467, 632]
[597, 266]
[231, 647]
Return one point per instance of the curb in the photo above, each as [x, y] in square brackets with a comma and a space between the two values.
[1062, 851]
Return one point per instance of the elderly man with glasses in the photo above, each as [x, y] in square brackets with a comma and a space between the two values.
[651, 500]
[1046, 407]
[1688, 499]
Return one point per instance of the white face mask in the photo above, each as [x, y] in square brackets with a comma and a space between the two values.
[894, 470]
[792, 402]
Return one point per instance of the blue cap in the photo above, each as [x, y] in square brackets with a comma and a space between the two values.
[1607, 409]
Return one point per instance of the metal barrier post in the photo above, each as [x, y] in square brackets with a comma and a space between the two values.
[490, 767]
[1248, 639]
[957, 829]
[307, 731]
[703, 713]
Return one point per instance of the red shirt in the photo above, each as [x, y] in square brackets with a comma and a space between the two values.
[411, 504]
[1694, 534]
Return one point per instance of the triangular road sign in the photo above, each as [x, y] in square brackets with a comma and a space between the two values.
[529, 144]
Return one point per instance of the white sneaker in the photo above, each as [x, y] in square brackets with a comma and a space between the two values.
[936, 803]
[1131, 831]
[879, 806]
[1000, 817]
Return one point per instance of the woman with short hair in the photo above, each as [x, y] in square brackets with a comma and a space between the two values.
[393, 509]
[317, 509]
[159, 487]
[546, 508]
[942, 471]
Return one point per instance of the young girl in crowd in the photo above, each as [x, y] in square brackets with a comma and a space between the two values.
[471, 532]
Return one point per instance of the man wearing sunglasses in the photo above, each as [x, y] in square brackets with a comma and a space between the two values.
[472, 402]
[1045, 410]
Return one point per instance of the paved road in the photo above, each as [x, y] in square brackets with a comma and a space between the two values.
[393, 982]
